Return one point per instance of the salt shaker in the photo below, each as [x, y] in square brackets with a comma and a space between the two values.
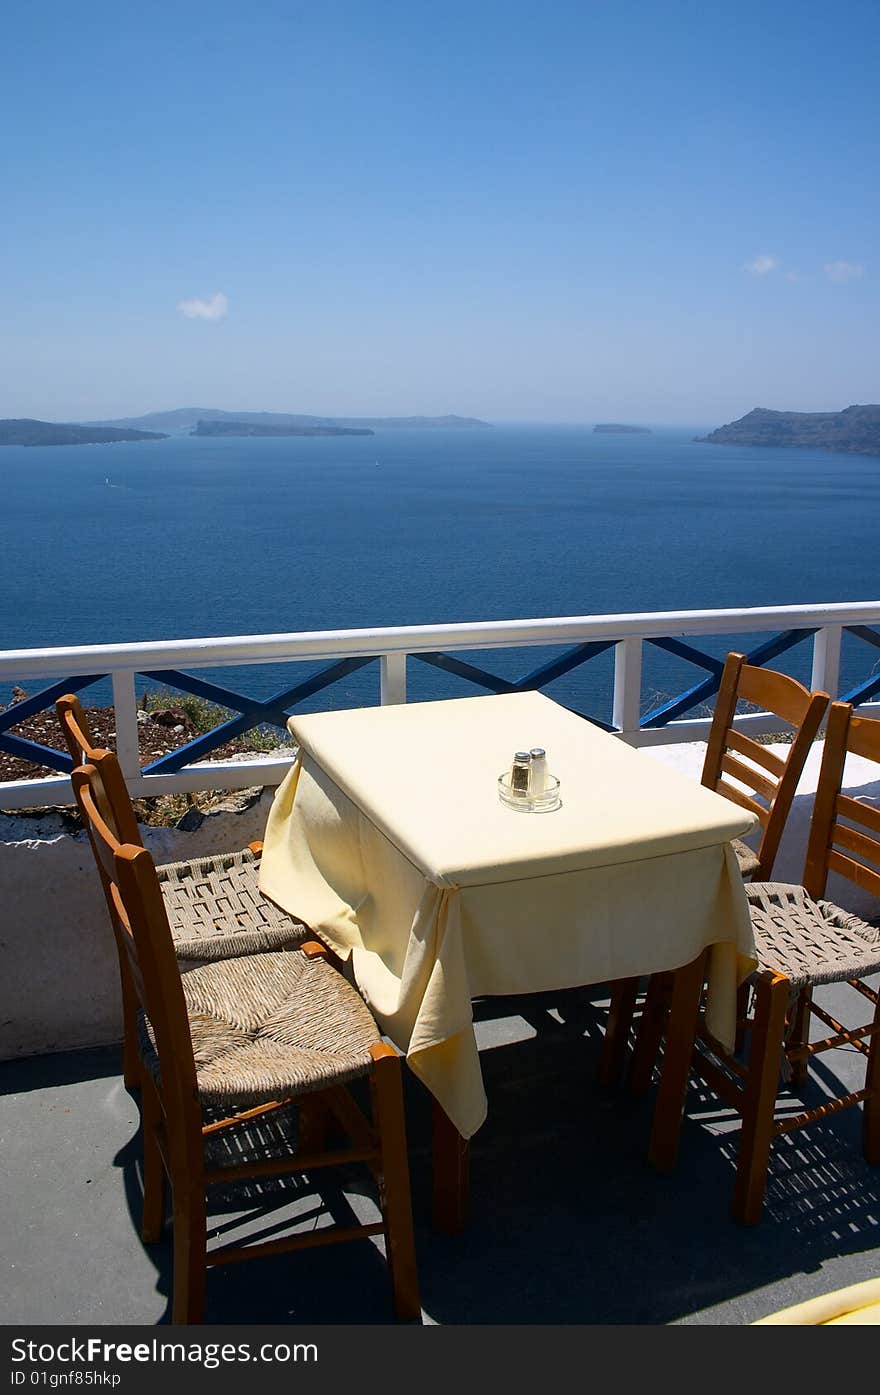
[537, 770]
[520, 773]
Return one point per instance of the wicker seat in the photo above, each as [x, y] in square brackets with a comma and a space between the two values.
[248, 1037]
[747, 859]
[809, 942]
[216, 909]
[802, 942]
[765, 784]
[214, 904]
[270, 1026]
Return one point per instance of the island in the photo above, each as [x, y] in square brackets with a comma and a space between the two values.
[182, 421]
[855, 430]
[616, 428]
[251, 428]
[24, 431]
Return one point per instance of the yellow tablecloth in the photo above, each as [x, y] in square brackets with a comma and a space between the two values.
[388, 838]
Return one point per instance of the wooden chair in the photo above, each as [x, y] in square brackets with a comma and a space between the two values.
[772, 787]
[214, 904]
[235, 1040]
[802, 942]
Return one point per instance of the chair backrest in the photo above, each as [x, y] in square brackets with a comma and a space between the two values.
[776, 781]
[115, 806]
[143, 936]
[844, 832]
[75, 728]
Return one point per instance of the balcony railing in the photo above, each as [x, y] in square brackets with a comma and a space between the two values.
[580, 638]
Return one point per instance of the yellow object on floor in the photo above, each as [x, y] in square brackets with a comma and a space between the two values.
[856, 1305]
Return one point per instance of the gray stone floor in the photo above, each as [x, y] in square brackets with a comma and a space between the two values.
[569, 1225]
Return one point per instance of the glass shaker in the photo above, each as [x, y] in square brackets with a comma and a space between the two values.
[520, 773]
[537, 770]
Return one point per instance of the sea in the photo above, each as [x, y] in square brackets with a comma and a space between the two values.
[191, 537]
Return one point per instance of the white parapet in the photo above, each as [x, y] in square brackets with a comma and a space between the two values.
[60, 983]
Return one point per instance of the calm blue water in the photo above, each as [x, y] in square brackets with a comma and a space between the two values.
[210, 537]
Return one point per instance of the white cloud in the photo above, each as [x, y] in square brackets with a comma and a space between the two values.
[843, 271]
[216, 307]
[761, 265]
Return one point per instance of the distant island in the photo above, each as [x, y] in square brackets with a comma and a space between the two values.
[251, 428]
[855, 430]
[184, 421]
[615, 428]
[24, 431]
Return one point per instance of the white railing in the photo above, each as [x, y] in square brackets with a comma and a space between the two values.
[391, 646]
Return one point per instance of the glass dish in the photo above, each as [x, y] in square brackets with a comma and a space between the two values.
[524, 803]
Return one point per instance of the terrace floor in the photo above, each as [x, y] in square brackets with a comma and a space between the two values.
[569, 1222]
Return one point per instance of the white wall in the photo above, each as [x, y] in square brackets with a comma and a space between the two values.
[59, 977]
[860, 780]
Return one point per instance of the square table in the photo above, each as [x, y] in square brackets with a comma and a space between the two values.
[389, 840]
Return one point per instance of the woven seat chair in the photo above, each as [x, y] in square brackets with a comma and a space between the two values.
[214, 904]
[772, 780]
[237, 1040]
[802, 942]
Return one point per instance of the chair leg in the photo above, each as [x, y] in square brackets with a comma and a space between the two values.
[801, 1033]
[620, 1017]
[687, 988]
[650, 1032]
[190, 1249]
[762, 1082]
[131, 1056]
[314, 1125]
[871, 1119]
[153, 1218]
[743, 993]
[387, 1100]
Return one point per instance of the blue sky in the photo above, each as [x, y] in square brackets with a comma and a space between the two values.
[659, 212]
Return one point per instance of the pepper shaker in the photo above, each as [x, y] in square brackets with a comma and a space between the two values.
[520, 773]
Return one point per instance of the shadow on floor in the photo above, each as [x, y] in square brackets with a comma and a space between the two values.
[569, 1222]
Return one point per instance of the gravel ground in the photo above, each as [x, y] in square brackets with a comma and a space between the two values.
[165, 730]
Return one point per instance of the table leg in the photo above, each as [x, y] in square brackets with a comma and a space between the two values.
[451, 1175]
[620, 1019]
[687, 987]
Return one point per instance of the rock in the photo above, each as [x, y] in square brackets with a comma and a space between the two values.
[18, 695]
[191, 820]
[45, 821]
[168, 717]
[178, 728]
[237, 803]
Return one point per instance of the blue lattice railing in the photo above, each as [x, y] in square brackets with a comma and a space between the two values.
[274, 711]
[350, 651]
[18, 712]
[537, 678]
